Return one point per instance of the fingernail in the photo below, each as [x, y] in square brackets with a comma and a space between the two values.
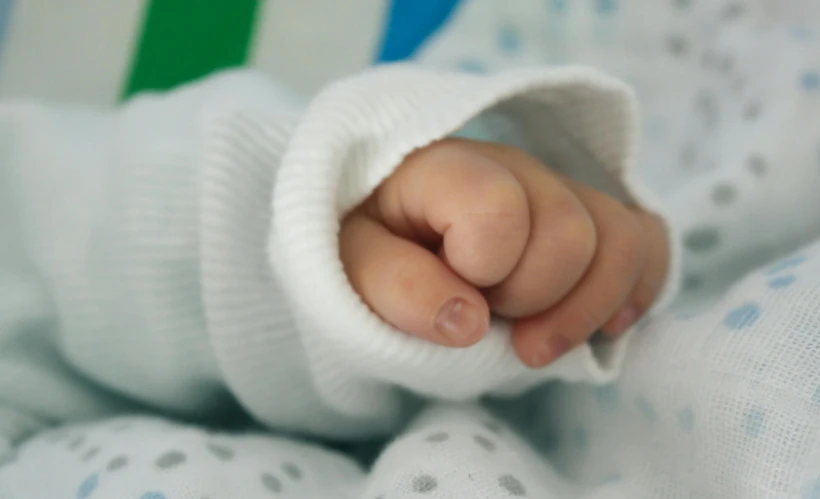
[623, 320]
[551, 350]
[458, 320]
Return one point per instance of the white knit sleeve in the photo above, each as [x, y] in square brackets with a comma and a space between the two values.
[351, 138]
[184, 252]
[133, 266]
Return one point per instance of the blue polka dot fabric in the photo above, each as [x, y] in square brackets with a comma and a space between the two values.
[732, 391]
[87, 487]
[810, 80]
[509, 40]
[782, 282]
[686, 419]
[754, 422]
[606, 7]
[153, 458]
[743, 316]
[718, 397]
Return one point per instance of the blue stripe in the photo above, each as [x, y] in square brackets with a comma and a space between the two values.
[409, 24]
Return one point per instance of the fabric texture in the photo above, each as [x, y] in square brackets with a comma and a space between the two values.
[734, 413]
[178, 257]
[155, 255]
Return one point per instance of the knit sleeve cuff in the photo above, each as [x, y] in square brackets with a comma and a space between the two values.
[351, 138]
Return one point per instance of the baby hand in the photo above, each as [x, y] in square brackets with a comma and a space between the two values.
[464, 228]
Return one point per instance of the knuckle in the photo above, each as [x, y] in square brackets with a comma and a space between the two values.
[492, 192]
[501, 196]
[498, 209]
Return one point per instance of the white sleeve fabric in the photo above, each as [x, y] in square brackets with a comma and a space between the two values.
[351, 138]
[187, 243]
[105, 256]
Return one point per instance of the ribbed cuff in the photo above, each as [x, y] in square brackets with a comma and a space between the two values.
[352, 137]
[256, 344]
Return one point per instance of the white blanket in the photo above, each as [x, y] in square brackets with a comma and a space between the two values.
[142, 270]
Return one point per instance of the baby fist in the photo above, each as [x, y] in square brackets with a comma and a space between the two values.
[464, 229]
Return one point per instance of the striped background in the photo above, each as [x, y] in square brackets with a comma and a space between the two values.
[100, 51]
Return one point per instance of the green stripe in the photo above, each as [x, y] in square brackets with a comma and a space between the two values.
[182, 40]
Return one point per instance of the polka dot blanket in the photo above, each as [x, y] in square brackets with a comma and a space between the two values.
[122, 395]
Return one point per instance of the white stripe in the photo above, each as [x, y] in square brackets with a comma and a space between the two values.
[77, 51]
[308, 43]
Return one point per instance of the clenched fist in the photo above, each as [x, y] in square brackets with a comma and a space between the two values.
[464, 229]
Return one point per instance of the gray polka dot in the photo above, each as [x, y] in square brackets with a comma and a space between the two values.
[271, 483]
[689, 155]
[692, 282]
[220, 451]
[708, 60]
[512, 485]
[752, 111]
[117, 463]
[733, 11]
[437, 438]
[484, 442]
[292, 471]
[170, 460]
[724, 194]
[493, 427]
[725, 64]
[705, 99]
[677, 45]
[758, 165]
[8, 457]
[683, 4]
[76, 443]
[91, 454]
[702, 239]
[424, 484]
[706, 105]
[739, 84]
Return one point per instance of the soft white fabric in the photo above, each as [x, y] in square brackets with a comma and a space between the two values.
[365, 131]
[724, 403]
[152, 458]
[134, 275]
[145, 231]
[140, 236]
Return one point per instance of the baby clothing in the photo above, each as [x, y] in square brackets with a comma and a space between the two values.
[185, 242]
[178, 256]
